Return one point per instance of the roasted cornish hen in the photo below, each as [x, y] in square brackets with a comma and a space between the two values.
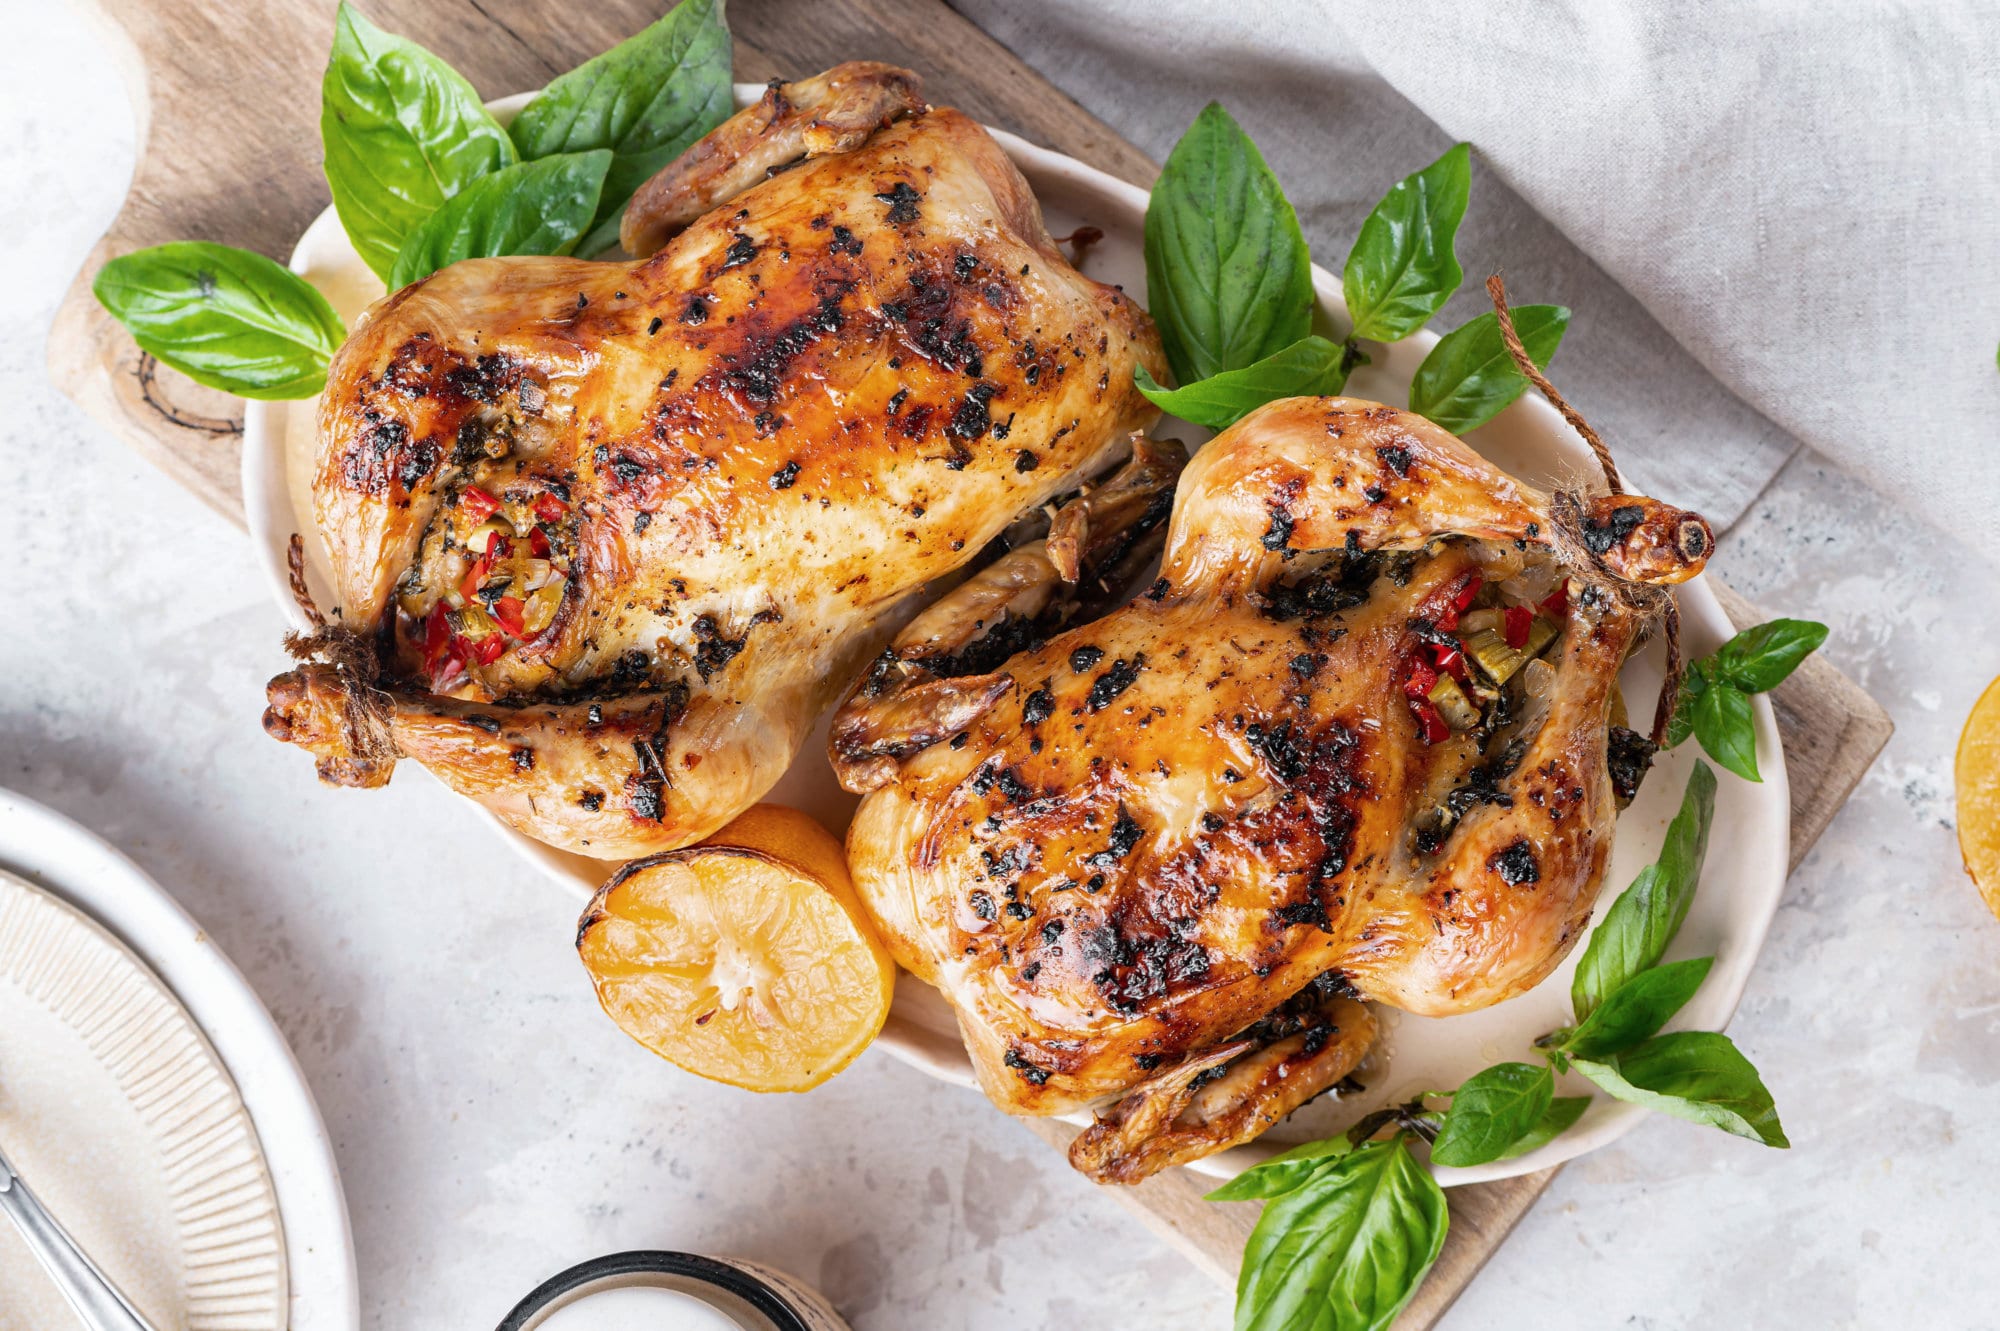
[615, 534]
[1358, 741]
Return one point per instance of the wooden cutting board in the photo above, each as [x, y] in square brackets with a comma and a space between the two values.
[229, 151]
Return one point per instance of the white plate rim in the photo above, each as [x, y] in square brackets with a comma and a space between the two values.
[268, 507]
[79, 867]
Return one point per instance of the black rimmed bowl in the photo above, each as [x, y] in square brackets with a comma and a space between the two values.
[755, 1297]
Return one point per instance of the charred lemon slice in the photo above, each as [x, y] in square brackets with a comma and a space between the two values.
[746, 959]
[1977, 776]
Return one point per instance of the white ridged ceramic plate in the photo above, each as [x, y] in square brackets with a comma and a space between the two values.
[126, 1123]
[1749, 847]
[148, 1099]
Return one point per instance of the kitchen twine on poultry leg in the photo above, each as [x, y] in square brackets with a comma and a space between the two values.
[365, 709]
[1651, 600]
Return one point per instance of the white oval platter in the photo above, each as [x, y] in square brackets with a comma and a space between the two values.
[1749, 848]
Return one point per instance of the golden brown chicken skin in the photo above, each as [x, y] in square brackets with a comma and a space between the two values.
[621, 531]
[1204, 822]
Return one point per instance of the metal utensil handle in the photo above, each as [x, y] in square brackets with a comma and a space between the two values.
[88, 1289]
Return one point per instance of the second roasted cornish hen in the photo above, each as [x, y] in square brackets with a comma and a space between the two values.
[1358, 741]
[617, 533]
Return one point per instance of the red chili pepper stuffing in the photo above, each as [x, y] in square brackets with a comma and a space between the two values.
[507, 613]
[1448, 618]
[1451, 661]
[1520, 619]
[444, 650]
[478, 503]
[1430, 722]
[1420, 681]
[489, 649]
[548, 508]
[538, 542]
[437, 636]
[468, 586]
[1557, 601]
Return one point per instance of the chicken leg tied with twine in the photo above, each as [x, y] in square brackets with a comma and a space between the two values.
[1670, 612]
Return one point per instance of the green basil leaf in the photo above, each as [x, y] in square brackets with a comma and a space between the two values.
[1640, 924]
[1346, 1251]
[1468, 377]
[224, 317]
[1402, 268]
[1563, 1112]
[1760, 658]
[1727, 728]
[1281, 1173]
[539, 207]
[1696, 1075]
[402, 133]
[1637, 1008]
[1494, 1109]
[1311, 367]
[1227, 272]
[1694, 682]
[646, 99]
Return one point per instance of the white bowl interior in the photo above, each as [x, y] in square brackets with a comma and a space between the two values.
[1749, 847]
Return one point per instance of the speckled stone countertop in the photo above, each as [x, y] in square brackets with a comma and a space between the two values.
[492, 1127]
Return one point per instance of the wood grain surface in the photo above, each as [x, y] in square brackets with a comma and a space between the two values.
[225, 92]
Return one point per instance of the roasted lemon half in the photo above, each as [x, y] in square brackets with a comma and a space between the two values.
[746, 959]
[1977, 777]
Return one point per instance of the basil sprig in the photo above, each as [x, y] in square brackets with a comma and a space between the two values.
[1227, 272]
[1346, 1248]
[1637, 1008]
[1310, 366]
[1469, 377]
[1714, 703]
[1281, 1173]
[540, 207]
[224, 317]
[1623, 995]
[1230, 283]
[646, 99]
[1403, 268]
[1700, 1076]
[1560, 1117]
[421, 177]
[1328, 1255]
[1643, 921]
[1493, 1110]
[402, 133]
